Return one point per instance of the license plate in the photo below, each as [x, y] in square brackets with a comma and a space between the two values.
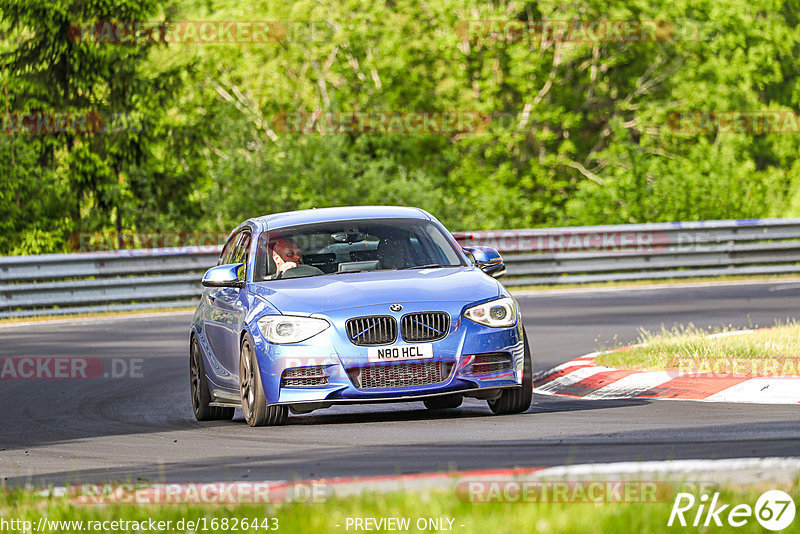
[398, 353]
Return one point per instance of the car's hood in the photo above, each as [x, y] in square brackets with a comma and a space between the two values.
[338, 291]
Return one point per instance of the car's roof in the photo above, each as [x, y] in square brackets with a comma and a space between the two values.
[343, 213]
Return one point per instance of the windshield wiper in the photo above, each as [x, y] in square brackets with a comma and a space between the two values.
[429, 266]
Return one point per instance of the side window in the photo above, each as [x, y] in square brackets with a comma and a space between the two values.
[227, 250]
[241, 253]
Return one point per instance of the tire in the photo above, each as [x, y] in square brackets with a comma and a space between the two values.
[198, 384]
[517, 400]
[254, 402]
[444, 403]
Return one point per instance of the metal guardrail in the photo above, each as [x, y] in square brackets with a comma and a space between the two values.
[60, 284]
[160, 278]
[653, 251]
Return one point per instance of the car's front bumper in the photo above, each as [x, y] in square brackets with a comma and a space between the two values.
[339, 357]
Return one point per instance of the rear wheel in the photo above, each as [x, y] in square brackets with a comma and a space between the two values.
[201, 395]
[254, 402]
[517, 400]
[444, 403]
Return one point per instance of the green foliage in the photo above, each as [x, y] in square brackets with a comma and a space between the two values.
[579, 132]
[772, 351]
[76, 180]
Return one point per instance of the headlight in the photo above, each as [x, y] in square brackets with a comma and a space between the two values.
[496, 313]
[279, 329]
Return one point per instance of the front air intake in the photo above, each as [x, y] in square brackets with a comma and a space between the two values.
[302, 377]
[486, 364]
[400, 375]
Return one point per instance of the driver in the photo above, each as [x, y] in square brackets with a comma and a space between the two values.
[286, 255]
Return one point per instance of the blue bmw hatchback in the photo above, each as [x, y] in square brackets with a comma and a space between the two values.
[313, 308]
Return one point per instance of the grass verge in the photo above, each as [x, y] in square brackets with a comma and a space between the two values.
[332, 516]
[769, 352]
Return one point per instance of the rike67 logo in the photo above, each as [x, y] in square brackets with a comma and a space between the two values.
[774, 510]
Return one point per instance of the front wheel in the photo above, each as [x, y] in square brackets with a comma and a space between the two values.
[517, 400]
[201, 396]
[254, 402]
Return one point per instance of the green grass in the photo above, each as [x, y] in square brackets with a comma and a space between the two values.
[324, 517]
[772, 352]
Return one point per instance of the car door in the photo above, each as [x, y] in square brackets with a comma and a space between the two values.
[227, 311]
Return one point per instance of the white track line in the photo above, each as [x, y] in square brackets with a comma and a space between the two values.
[774, 390]
[631, 385]
[734, 470]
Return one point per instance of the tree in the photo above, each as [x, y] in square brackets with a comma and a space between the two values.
[104, 172]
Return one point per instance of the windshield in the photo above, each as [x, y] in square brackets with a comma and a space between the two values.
[354, 246]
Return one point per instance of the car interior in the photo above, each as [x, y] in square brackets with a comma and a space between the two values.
[368, 247]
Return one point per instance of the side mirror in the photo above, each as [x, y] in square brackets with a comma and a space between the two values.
[487, 260]
[223, 276]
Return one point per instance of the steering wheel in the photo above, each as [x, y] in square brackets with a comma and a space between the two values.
[301, 271]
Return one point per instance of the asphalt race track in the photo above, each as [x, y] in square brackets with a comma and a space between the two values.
[142, 428]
